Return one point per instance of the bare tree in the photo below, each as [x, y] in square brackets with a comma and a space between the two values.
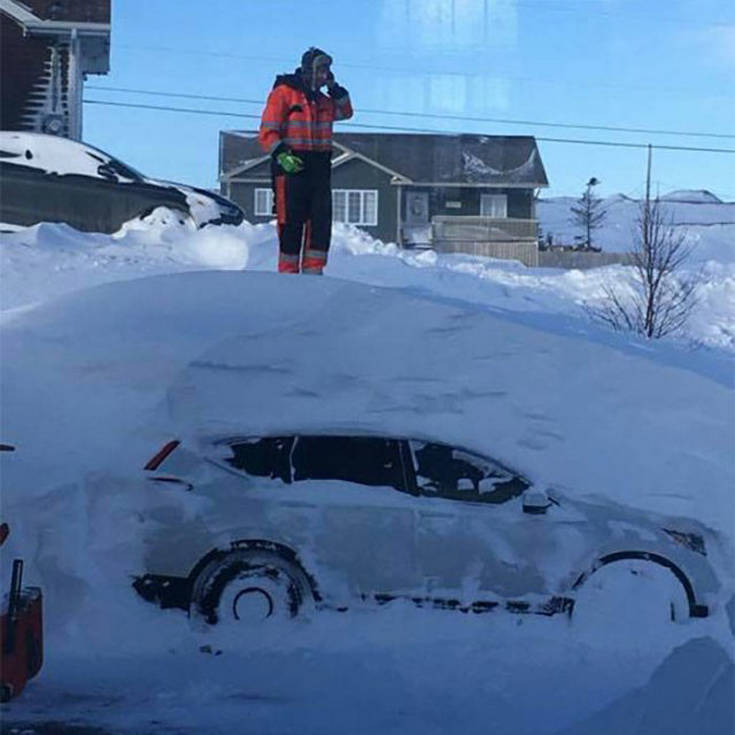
[589, 213]
[661, 296]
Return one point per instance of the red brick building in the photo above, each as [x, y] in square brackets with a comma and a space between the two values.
[47, 48]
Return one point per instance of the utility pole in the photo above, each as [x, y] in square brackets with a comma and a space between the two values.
[647, 203]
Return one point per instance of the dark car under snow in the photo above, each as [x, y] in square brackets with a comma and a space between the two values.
[44, 178]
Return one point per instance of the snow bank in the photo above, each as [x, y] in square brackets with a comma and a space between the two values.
[703, 677]
[48, 260]
[692, 196]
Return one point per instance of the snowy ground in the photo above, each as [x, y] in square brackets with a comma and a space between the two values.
[708, 222]
[86, 361]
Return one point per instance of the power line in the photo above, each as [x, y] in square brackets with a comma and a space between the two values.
[504, 121]
[609, 143]
[659, 86]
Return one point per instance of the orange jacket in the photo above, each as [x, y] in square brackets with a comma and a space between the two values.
[299, 120]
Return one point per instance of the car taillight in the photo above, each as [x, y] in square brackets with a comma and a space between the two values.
[155, 461]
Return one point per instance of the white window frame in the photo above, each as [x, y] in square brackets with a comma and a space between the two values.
[362, 219]
[489, 204]
[268, 201]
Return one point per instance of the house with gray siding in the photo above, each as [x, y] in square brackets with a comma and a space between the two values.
[456, 193]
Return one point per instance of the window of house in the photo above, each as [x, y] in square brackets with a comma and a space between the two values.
[264, 202]
[364, 460]
[493, 205]
[355, 206]
[447, 472]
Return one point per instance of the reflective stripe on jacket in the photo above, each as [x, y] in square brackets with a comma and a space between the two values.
[300, 120]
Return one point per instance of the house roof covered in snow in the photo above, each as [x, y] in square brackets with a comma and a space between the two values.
[418, 158]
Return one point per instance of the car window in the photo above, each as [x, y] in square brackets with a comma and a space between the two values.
[365, 460]
[447, 472]
[260, 457]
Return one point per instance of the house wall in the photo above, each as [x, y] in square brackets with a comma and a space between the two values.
[243, 194]
[40, 77]
[357, 174]
[520, 201]
[25, 70]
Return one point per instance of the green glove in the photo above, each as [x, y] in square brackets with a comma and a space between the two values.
[290, 162]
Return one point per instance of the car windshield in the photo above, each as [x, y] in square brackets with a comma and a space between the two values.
[114, 167]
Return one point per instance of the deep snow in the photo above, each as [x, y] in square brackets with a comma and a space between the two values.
[86, 364]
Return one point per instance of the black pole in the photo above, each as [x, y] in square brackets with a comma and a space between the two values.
[13, 605]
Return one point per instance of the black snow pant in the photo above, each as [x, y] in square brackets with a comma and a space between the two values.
[303, 204]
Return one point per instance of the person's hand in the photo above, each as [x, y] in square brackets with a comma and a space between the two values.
[290, 162]
[331, 82]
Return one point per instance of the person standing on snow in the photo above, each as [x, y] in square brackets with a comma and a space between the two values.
[296, 130]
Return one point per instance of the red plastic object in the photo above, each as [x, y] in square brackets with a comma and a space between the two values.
[155, 461]
[21, 636]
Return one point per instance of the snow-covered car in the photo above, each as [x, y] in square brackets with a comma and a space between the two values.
[44, 178]
[248, 527]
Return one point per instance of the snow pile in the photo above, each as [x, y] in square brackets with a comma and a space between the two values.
[697, 196]
[488, 353]
[703, 676]
[162, 244]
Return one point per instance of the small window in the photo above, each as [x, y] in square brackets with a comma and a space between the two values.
[446, 472]
[370, 206]
[260, 457]
[264, 202]
[339, 206]
[364, 460]
[355, 206]
[494, 205]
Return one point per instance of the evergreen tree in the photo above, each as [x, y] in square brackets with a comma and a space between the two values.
[589, 212]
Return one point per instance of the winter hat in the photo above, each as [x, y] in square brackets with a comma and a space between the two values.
[314, 57]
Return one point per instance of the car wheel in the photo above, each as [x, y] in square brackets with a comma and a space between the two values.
[249, 588]
[629, 594]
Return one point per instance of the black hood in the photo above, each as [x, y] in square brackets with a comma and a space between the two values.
[290, 80]
[295, 81]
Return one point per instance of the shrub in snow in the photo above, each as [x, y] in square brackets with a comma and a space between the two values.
[660, 294]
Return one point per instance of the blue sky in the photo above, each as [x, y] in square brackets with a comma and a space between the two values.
[640, 64]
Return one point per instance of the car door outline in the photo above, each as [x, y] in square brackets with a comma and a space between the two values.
[366, 539]
[462, 542]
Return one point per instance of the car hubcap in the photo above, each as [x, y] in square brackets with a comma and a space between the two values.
[252, 605]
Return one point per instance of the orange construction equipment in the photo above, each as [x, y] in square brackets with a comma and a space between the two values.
[21, 632]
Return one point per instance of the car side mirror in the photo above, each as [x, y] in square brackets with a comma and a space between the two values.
[535, 501]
